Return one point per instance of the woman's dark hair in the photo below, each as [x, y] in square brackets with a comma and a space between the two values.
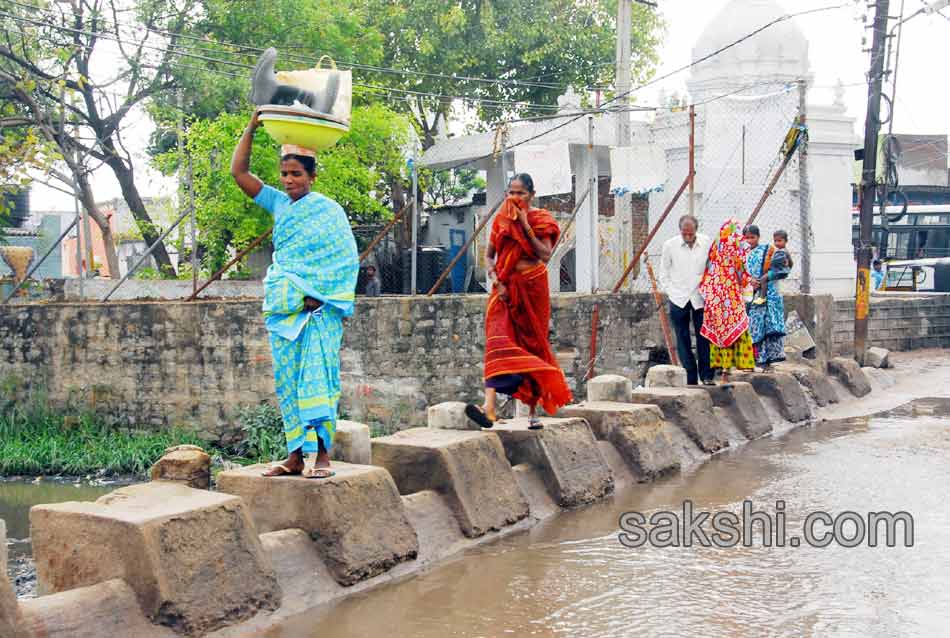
[780, 233]
[309, 163]
[525, 179]
[751, 229]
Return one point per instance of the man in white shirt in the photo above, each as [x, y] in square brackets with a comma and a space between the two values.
[681, 270]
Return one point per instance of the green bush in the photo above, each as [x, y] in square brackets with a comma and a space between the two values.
[263, 434]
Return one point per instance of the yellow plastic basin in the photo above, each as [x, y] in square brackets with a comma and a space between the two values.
[312, 133]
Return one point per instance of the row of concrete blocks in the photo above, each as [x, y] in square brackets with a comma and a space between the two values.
[163, 559]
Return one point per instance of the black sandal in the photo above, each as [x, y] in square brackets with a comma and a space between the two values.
[478, 415]
[535, 424]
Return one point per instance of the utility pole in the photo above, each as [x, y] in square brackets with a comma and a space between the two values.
[624, 27]
[872, 127]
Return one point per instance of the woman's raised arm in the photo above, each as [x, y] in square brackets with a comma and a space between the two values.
[241, 161]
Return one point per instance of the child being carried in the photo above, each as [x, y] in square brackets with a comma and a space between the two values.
[778, 265]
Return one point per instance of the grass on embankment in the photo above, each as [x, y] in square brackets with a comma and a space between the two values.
[36, 440]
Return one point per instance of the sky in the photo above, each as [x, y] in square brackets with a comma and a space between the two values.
[835, 49]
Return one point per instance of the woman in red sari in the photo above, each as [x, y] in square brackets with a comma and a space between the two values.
[518, 357]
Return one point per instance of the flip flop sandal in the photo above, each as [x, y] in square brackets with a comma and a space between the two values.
[477, 415]
[535, 424]
[318, 473]
[284, 471]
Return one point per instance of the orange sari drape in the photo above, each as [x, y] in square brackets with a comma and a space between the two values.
[516, 330]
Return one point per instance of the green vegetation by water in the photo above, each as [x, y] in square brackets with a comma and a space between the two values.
[34, 440]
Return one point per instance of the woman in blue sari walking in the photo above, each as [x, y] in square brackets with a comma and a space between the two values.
[308, 290]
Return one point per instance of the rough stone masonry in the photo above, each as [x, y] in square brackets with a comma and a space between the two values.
[157, 364]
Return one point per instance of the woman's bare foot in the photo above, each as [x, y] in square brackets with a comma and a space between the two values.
[293, 466]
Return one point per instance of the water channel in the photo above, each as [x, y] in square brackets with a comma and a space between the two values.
[571, 576]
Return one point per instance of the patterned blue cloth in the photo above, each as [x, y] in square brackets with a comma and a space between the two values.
[314, 256]
[766, 321]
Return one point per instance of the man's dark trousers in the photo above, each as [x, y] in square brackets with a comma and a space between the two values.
[681, 318]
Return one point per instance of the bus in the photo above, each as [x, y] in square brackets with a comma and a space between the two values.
[922, 233]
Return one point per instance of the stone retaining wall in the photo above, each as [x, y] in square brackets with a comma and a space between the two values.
[155, 364]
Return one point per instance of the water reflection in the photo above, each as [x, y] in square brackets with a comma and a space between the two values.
[17, 497]
[571, 576]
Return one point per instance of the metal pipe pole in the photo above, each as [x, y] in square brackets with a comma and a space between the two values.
[385, 231]
[78, 224]
[692, 159]
[624, 28]
[194, 226]
[464, 251]
[804, 192]
[592, 207]
[238, 257]
[40, 262]
[414, 286]
[148, 252]
[653, 232]
[661, 310]
[570, 222]
[872, 126]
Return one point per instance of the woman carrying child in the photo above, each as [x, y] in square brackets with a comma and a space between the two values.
[767, 265]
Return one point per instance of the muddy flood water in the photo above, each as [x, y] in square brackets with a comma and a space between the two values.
[572, 577]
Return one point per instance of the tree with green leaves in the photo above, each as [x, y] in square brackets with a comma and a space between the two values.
[517, 52]
[358, 173]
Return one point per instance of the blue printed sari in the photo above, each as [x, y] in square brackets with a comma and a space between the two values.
[314, 256]
[766, 321]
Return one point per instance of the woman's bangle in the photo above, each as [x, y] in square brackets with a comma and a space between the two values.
[531, 233]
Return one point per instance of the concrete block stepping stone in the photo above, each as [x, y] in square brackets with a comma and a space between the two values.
[351, 443]
[609, 387]
[468, 468]
[815, 383]
[850, 374]
[691, 410]
[649, 445]
[192, 557]
[566, 452]
[450, 416]
[784, 389]
[743, 406]
[356, 518]
[666, 376]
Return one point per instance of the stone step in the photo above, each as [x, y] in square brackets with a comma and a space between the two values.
[818, 386]
[356, 518]
[192, 557]
[649, 445]
[743, 407]
[609, 387]
[565, 451]
[781, 387]
[691, 410]
[849, 373]
[469, 468]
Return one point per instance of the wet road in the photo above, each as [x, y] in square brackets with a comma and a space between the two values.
[572, 577]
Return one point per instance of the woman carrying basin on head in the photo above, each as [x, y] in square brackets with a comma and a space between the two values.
[518, 357]
[309, 289]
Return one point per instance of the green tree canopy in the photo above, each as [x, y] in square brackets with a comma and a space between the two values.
[358, 173]
[529, 50]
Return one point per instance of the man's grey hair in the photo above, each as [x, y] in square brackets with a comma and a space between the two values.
[689, 218]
